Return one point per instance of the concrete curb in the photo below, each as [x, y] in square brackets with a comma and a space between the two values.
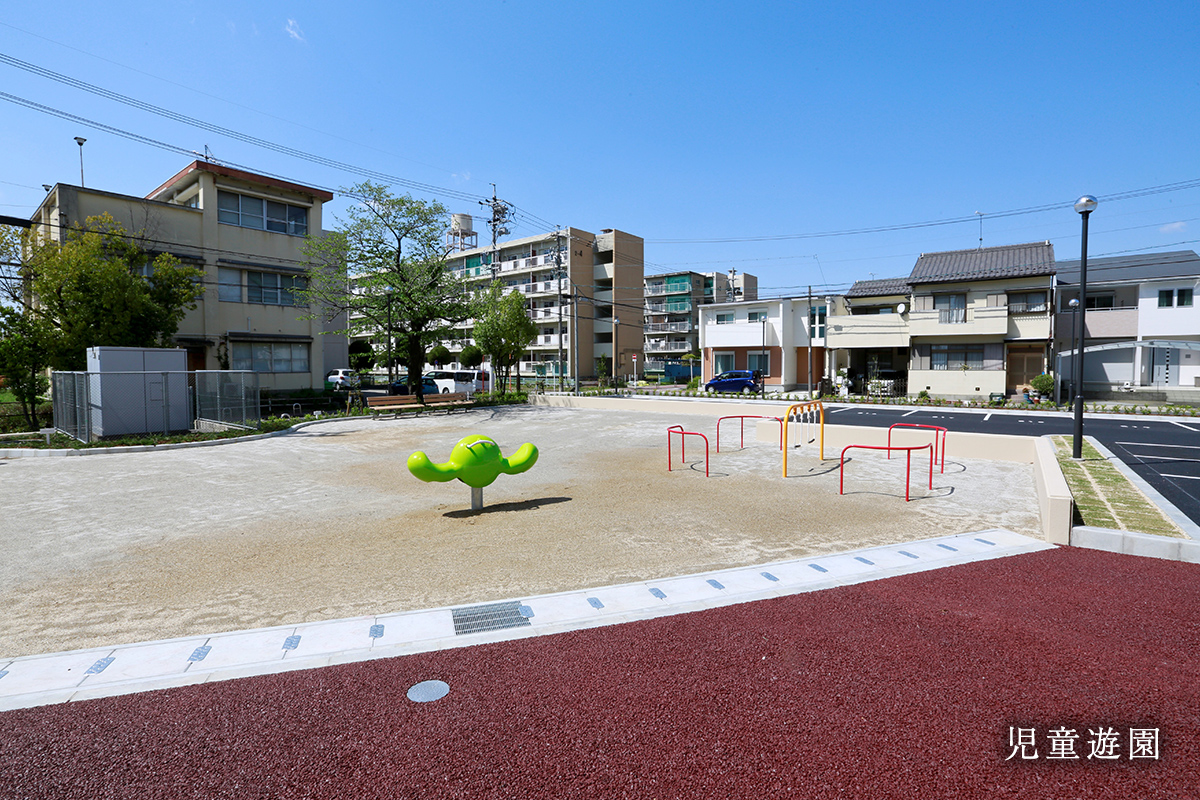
[1056, 504]
[1136, 544]
[1194, 420]
[22, 452]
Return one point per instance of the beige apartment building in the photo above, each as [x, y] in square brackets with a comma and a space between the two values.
[601, 274]
[246, 231]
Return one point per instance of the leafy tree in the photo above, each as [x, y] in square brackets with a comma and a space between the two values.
[384, 271]
[438, 355]
[470, 357]
[25, 344]
[99, 289]
[362, 355]
[12, 279]
[602, 370]
[503, 329]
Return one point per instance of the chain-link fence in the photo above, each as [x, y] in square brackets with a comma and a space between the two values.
[226, 397]
[101, 405]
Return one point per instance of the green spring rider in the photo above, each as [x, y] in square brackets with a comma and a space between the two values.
[477, 462]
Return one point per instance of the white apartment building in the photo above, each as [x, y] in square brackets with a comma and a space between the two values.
[672, 310]
[584, 292]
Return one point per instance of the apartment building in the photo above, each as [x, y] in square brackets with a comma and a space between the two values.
[246, 231]
[784, 339]
[1142, 320]
[672, 310]
[600, 274]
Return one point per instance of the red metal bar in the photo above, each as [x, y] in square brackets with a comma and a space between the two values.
[682, 452]
[889, 448]
[937, 430]
[743, 418]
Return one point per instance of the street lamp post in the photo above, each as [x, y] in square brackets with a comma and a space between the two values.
[79, 140]
[1084, 206]
[1074, 304]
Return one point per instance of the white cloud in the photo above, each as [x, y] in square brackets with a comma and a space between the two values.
[1174, 227]
[292, 29]
[462, 177]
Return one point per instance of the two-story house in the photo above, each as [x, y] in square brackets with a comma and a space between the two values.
[980, 321]
[868, 336]
[784, 339]
[246, 231]
[1142, 324]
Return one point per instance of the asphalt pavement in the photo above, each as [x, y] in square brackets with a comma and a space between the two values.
[1163, 451]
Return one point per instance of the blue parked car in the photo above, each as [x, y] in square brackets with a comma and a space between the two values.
[735, 380]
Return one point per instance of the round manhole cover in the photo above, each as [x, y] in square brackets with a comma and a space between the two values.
[427, 691]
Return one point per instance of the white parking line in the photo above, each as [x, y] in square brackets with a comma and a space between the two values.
[1185, 427]
[1171, 458]
[1151, 444]
[909, 414]
[987, 416]
[1188, 477]
[840, 410]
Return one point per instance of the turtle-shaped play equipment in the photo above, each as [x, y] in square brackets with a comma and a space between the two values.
[476, 461]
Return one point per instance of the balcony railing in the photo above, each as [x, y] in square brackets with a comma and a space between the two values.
[656, 289]
[1028, 308]
[668, 347]
[668, 308]
[952, 316]
[668, 327]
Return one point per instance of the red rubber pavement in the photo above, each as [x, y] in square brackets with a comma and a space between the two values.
[904, 687]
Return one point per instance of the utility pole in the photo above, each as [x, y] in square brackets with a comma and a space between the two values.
[558, 276]
[498, 223]
[812, 322]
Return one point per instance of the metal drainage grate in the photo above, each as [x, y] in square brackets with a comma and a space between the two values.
[489, 617]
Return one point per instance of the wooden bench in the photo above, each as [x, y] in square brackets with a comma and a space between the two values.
[449, 401]
[394, 403]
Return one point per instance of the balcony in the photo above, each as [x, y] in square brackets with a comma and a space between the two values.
[975, 321]
[669, 347]
[1102, 323]
[682, 307]
[656, 289]
[867, 330]
[551, 340]
[667, 327]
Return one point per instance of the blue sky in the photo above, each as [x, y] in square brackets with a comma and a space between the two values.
[674, 121]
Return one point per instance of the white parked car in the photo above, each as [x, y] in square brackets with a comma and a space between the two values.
[343, 378]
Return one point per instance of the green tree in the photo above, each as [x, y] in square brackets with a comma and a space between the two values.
[384, 272]
[25, 346]
[439, 355]
[503, 329]
[470, 357]
[99, 289]
[362, 355]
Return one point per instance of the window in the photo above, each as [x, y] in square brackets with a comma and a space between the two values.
[1099, 302]
[254, 212]
[1166, 298]
[725, 319]
[1027, 303]
[951, 308]
[273, 289]
[722, 362]
[1184, 298]
[956, 356]
[757, 316]
[229, 284]
[816, 321]
[270, 357]
[759, 361]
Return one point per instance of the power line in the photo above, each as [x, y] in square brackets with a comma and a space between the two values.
[236, 135]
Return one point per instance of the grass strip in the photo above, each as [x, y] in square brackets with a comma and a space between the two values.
[1107, 499]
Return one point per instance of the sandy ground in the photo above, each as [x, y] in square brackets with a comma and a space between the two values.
[326, 522]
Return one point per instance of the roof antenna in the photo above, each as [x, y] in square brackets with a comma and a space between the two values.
[980, 213]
